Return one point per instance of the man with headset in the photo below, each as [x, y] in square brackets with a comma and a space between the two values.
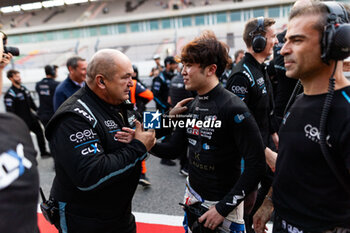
[250, 82]
[46, 89]
[311, 185]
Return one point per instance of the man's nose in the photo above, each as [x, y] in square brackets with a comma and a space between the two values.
[285, 49]
[131, 83]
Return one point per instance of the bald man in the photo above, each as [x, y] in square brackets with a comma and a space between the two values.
[97, 172]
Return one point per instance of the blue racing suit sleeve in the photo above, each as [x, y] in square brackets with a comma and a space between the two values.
[83, 158]
[251, 146]
[172, 148]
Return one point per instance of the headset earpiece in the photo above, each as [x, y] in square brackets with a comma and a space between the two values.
[335, 42]
[258, 40]
[102, 82]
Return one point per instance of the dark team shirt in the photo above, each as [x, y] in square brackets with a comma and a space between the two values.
[46, 90]
[285, 85]
[226, 75]
[215, 152]
[249, 81]
[160, 89]
[20, 102]
[306, 193]
[177, 90]
[19, 179]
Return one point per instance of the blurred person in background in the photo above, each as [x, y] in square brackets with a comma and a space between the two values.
[158, 68]
[46, 90]
[177, 93]
[140, 96]
[18, 100]
[56, 70]
[239, 54]
[160, 89]
[225, 76]
[285, 85]
[75, 80]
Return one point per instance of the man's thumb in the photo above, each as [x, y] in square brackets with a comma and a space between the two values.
[138, 126]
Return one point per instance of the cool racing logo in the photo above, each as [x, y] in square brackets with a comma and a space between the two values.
[152, 120]
[82, 136]
[313, 134]
[111, 124]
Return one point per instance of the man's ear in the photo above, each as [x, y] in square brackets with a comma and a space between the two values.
[211, 69]
[70, 69]
[99, 80]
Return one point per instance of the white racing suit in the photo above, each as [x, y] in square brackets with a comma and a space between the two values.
[233, 223]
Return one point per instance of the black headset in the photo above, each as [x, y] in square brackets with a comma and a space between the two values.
[335, 42]
[258, 40]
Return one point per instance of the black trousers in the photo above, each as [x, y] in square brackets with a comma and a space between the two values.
[35, 127]
[282, 226]
[79, 219]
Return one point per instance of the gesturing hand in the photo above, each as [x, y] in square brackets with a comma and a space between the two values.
[180, 107]
[125, 136]
[148, 138]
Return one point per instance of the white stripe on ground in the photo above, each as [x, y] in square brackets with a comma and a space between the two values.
[158, 219]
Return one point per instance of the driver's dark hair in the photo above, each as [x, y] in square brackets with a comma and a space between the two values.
[206, 50]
